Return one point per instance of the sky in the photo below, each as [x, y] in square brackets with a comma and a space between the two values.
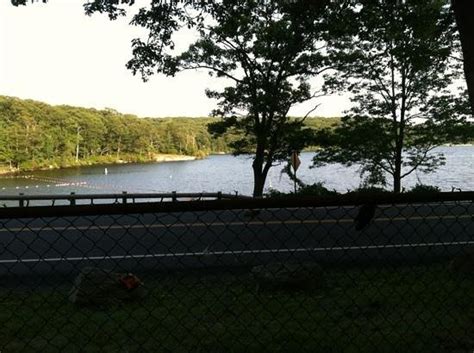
[55, 54]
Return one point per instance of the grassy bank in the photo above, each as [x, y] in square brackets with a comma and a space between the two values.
[418, 309]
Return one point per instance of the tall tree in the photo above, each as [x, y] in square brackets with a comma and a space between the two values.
[266, 52]
[464, 11]
[398, 66]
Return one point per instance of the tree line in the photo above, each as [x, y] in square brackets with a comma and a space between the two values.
[38, 135]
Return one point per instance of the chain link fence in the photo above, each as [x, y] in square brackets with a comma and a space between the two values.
[384, 273]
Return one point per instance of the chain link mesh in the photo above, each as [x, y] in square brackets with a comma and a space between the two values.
[342, 278]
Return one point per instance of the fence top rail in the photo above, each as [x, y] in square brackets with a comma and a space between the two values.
[232, 204]
[73, 196]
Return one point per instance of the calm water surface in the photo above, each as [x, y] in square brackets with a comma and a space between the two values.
[222, 173]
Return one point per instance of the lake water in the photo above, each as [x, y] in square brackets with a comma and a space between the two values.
[222, 173]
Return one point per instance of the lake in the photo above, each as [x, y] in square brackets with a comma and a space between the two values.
[222, 173]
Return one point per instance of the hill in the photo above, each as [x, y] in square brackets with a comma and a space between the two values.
[36, 135]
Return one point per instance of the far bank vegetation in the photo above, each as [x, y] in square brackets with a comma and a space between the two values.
[36, 135]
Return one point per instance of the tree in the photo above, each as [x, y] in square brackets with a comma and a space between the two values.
[397, 64]
[265, 51]
[464, 11]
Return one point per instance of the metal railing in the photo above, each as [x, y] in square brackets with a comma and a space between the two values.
[73, 199]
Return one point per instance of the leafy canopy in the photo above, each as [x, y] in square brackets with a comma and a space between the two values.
[265, 51]
[396, 61]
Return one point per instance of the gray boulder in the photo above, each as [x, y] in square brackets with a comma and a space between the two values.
[95, 286]
[288, 276]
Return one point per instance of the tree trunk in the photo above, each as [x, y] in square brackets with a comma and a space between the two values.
[464, 12]
[397, 183]
[260, 171]
[258, 183]
[397, 180]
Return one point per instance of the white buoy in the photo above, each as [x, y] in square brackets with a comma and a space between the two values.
[106, 171]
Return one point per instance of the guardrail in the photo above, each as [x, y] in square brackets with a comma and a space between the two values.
[74, 199]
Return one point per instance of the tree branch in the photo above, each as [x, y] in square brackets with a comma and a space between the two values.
[222, 72]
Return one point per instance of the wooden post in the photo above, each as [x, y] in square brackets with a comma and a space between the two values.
[124, 198]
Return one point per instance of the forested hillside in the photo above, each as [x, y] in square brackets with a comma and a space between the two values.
[36, 135]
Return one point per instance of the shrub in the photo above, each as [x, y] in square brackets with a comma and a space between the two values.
[421, 188]
[369, 190]
[316, 189]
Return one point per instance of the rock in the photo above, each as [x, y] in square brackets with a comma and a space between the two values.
[95, 286]
[463, 263]
[288, 276]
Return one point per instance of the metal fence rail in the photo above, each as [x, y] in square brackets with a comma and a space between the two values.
[373, 273]
[73, 199]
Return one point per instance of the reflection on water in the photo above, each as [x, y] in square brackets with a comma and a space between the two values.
[221, 173]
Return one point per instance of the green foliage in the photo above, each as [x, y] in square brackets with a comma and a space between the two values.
[266, 51]
[421, 188]
[396, 61]
[366, 189]
[316, 189]
[35, 135]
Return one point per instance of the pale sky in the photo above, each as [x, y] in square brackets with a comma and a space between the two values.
[55, 54]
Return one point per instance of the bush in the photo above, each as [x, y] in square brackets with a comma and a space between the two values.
[421, 188]
[316, 189]
[199, 154]
[369, 190]
[276, 193]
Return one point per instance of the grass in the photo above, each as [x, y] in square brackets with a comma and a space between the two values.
[416, 309]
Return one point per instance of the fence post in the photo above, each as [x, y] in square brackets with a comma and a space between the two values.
[124, 198]
[72, 200]
[173, 196]
[22, 202]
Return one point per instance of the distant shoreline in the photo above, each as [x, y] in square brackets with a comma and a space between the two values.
[174, 158]
[157, 158]
[458, 145]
